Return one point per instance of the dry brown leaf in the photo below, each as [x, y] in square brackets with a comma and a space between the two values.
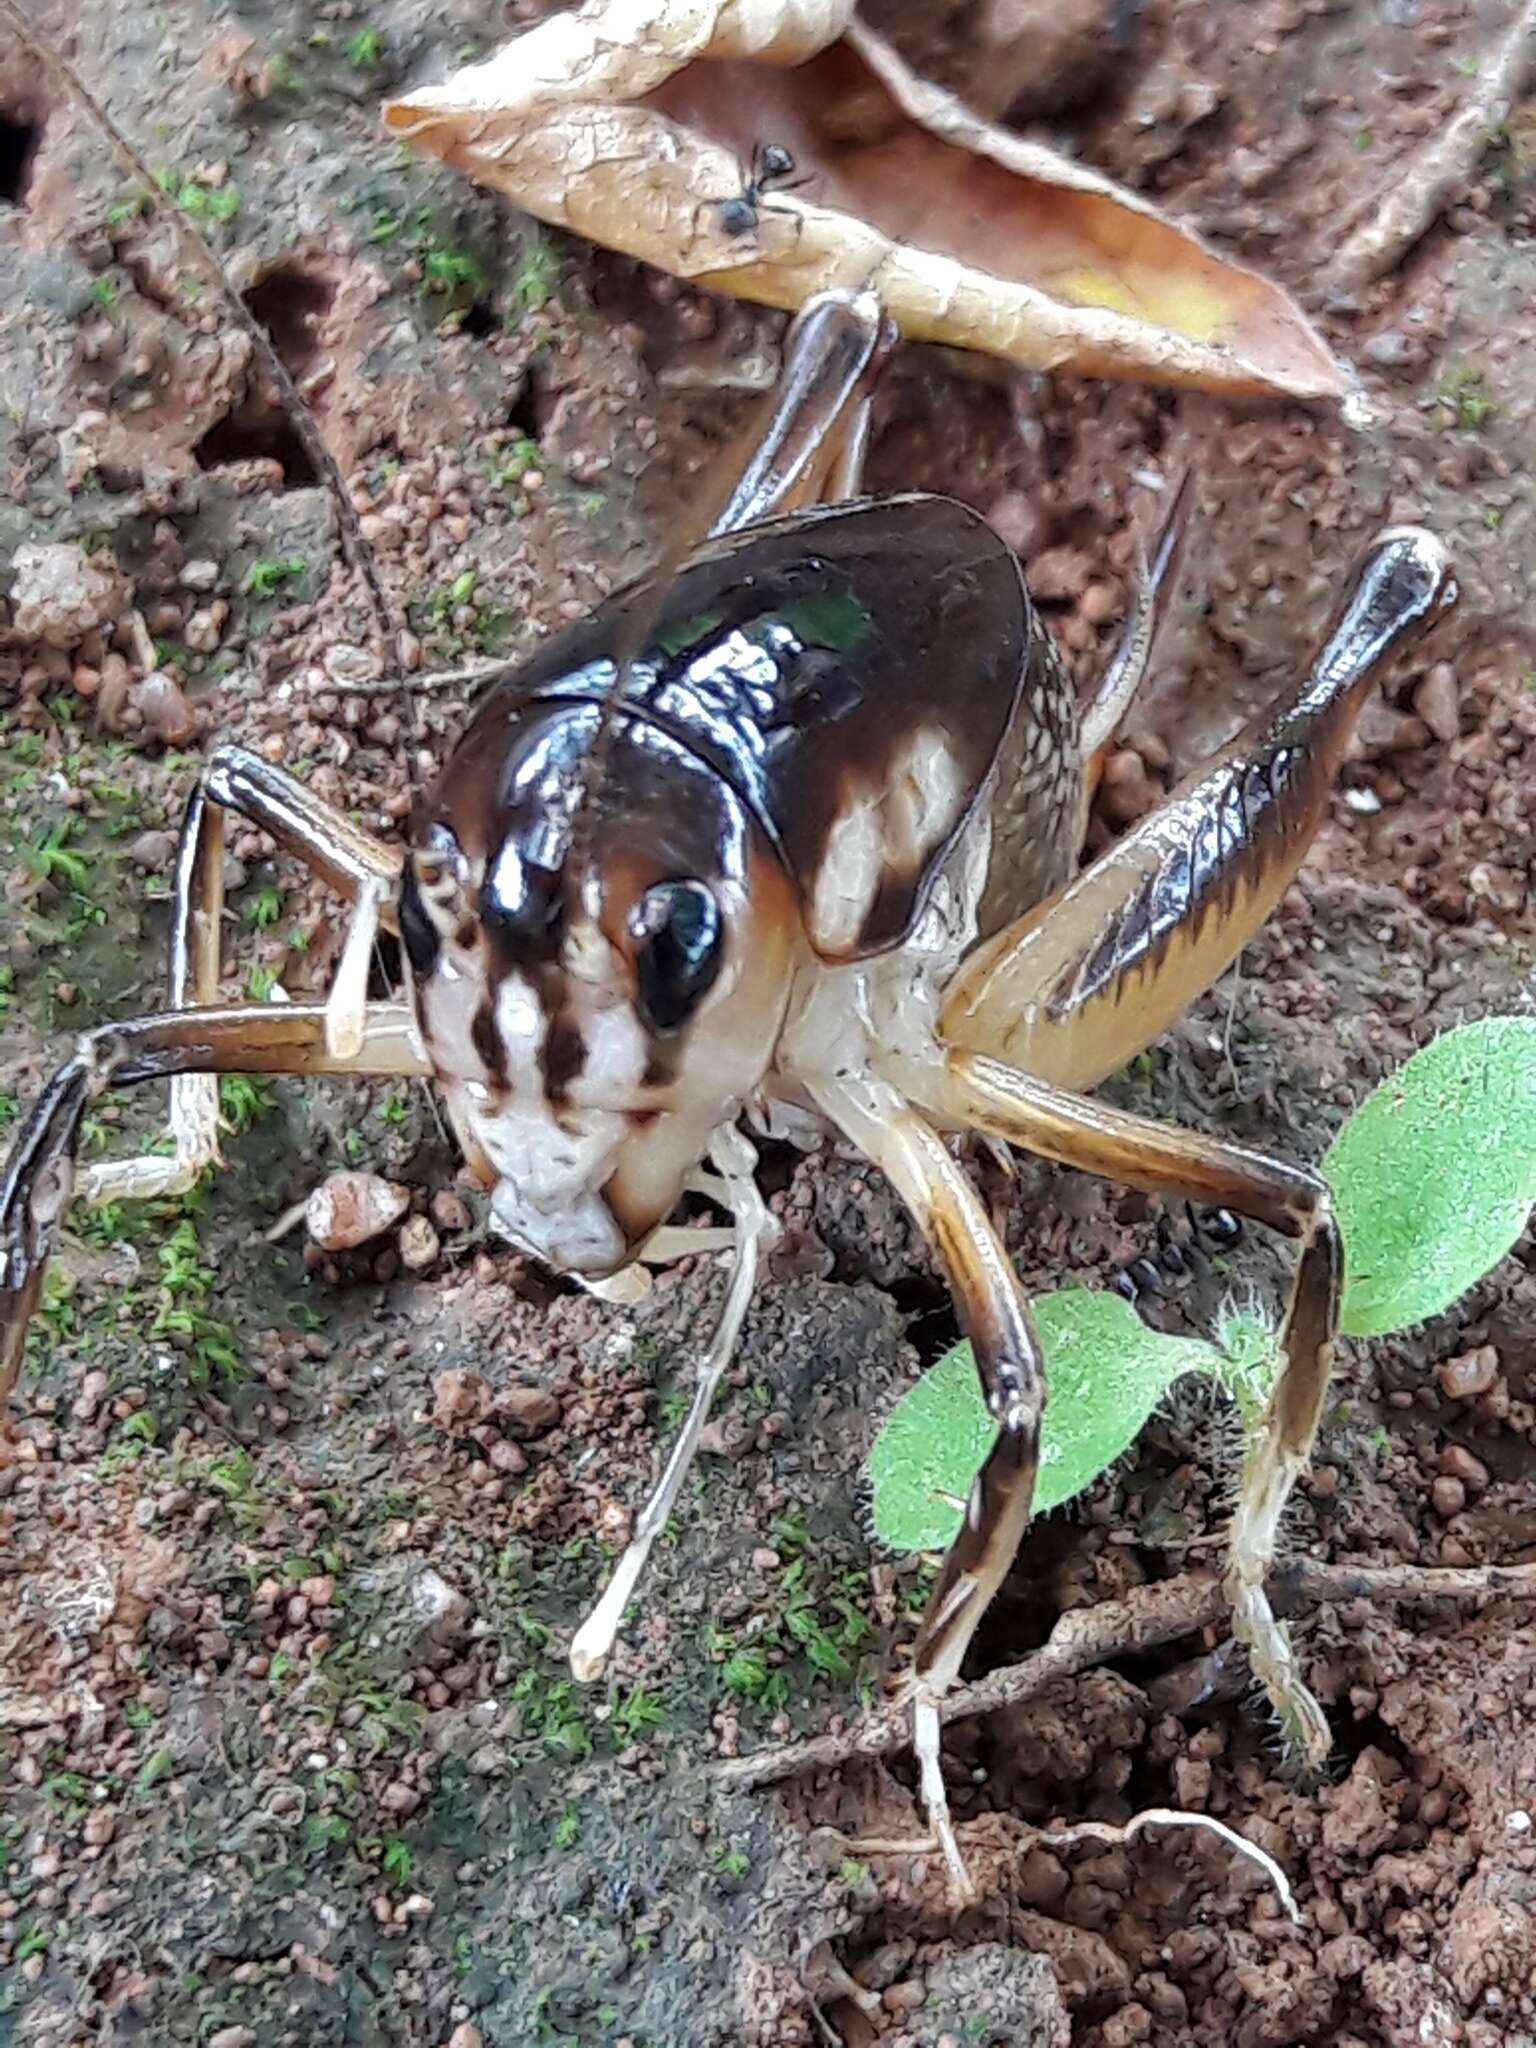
[627, 120]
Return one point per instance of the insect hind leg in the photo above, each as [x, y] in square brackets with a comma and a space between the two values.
[1156, 582]
[359, 865]
[983, 1094]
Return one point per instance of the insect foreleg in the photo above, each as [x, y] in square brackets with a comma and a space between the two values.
[359, 866]
[979, 1093]
[248, 1038]
[994, 1315]
[736, 1159]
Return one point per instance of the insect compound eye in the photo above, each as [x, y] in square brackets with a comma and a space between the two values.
[420, 934]
[678, 932]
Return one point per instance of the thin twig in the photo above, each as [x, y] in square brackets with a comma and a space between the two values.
[1151, 1615]
[1086, 1636]
[206, 258]
[1407, 207]
[429, 679]
[1173, 1817]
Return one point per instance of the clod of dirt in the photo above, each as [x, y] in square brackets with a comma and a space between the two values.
[991, 1995]
[349, 1209]
[162, 705]
[61, 593]
[1437, 702]
[1471, 1373]
[460, 1399]
[1036, 57]
[528, 1411]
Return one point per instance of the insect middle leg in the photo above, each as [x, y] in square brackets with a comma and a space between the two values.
[995, 1316]
[359, 866]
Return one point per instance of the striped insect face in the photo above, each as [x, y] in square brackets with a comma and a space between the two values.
[599, 986]
[626, 864]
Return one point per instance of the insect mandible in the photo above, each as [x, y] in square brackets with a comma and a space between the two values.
[792, 829]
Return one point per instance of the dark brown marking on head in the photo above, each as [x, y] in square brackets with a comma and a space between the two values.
[661, 1062]
[563, 1053]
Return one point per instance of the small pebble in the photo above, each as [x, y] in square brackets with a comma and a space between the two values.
[450, 1211]
[1100, 602]
[1018, 522]
[1472, 1373]
[460, 1397]
[1457, 1462]
[904, 1998]
[202, 630]
[153, 851]
[1448, 1497]
[1388, 349]
[528, 1411]
[348, 1209]
[1058, 574]
[1437, 703]
[93, 1391]
[163, 706]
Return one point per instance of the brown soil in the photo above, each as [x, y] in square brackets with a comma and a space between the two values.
[293, 1545]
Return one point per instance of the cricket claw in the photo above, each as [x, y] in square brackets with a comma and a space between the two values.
[34, 1199]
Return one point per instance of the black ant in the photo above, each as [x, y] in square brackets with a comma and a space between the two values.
[772, 165]
[1215, 1231]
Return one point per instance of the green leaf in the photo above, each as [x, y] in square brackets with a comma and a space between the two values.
[1434, 1175]
[1105, 1373]
[1247, 1360]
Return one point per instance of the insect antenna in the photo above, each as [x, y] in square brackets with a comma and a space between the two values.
[387, 620]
